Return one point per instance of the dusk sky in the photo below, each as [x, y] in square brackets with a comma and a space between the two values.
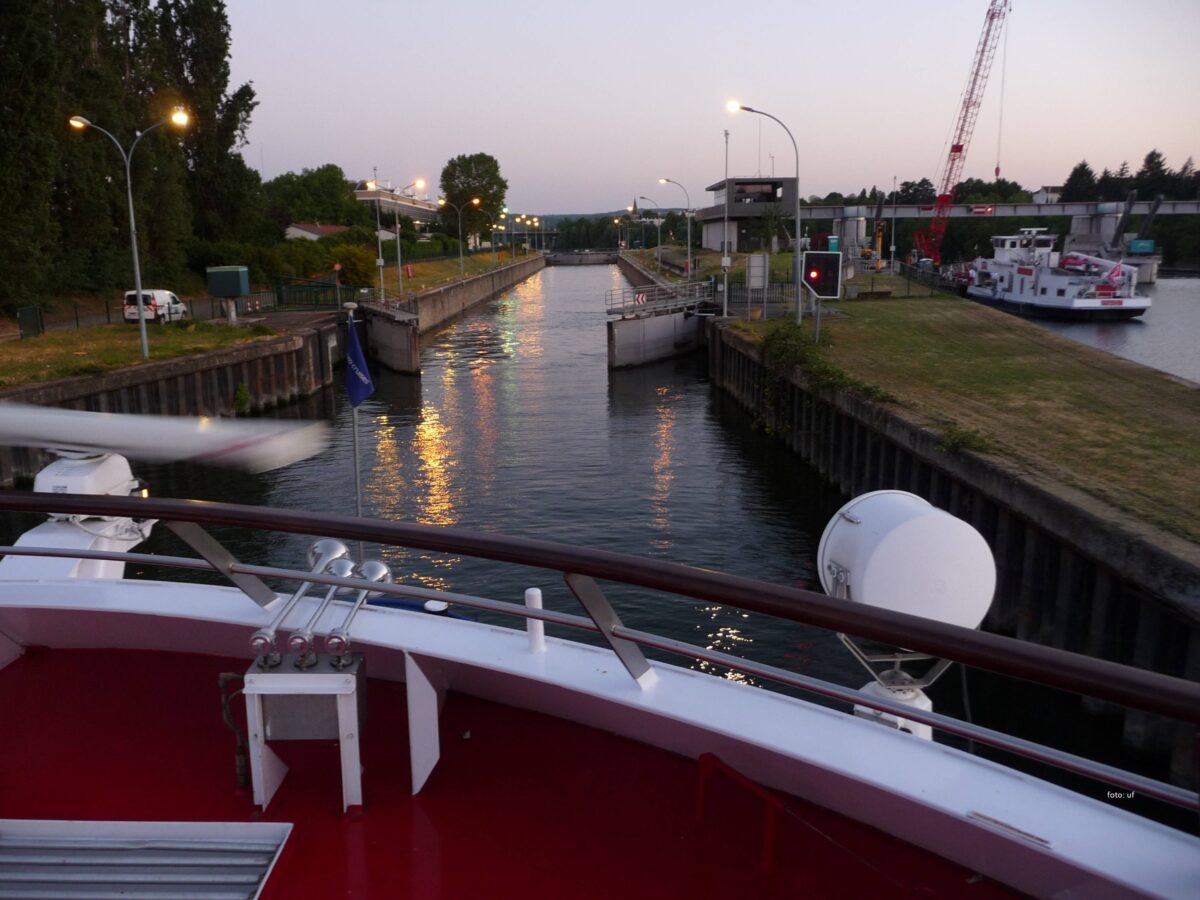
[586, 105]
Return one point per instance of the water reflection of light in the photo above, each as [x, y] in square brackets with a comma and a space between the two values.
[436, 495]
[384, 489]
[663, 471]
[726, 639]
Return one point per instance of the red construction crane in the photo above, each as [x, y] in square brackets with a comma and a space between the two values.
[929, 241]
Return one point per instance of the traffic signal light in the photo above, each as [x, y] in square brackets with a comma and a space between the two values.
[822, 271]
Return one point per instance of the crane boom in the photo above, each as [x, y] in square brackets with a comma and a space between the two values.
[929, 241]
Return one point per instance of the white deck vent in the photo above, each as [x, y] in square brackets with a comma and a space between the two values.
[137, 859]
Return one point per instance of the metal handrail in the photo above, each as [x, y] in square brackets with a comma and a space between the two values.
[623, 301]
[1125, 685]
[1027, 749]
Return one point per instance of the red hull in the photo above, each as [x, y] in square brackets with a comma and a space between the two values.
[521, 804]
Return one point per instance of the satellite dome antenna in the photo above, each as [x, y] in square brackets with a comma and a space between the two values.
[894, 550]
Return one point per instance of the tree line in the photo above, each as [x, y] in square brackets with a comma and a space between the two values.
[124, 65]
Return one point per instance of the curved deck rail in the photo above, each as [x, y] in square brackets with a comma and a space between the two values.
[1152, 692]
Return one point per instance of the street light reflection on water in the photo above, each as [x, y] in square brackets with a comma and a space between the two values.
[517, 426]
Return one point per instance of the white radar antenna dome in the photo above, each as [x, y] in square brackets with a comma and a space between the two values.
[894, 550]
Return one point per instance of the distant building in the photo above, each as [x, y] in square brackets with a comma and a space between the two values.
[1047, 194]
[750, 201]
[312, 232]
[421, 211]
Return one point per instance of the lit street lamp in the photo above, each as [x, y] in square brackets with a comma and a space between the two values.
[734, 106]
[178, 117]
[687, 197]
[373, 185]
[474, 201]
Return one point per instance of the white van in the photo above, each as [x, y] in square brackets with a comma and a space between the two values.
[158, 306]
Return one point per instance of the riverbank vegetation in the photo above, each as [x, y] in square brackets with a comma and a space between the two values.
[103, 348]
[1037, 402]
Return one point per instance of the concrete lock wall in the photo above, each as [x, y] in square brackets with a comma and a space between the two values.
[394, 335]
[639, 340]
[1071, 573]
[633, 342]
[436, 307]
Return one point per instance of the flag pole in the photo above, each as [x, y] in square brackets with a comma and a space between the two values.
[358, 388]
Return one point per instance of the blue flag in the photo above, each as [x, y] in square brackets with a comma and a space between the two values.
[358, 378]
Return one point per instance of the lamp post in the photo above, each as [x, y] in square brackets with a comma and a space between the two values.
[373, 185]
[509, 225]
[726, 255]
[419, 184]
[474, 201]
[734, 106]
[492, 224]
[658, 222]
[178, 117]
[688, 212]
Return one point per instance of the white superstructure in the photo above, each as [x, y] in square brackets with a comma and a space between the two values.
[1028, 274]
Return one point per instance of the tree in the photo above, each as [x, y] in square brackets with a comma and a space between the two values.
[194, 35]
[1186, 182]
[315, 195]
[28, 152]
[358, 262]
[1080, 185]
[917, 191]
[1115, 185]
[1154, 178]
[467, 177]
[768, 226]
[974, 190]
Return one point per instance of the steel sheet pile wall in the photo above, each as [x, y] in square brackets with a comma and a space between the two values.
[1071, 574]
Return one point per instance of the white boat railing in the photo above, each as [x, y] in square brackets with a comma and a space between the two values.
[1152, 692]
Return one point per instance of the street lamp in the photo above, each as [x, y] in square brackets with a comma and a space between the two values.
[373, 185]
[474, 201]
[658, 222]
[419, 184]
[178, 117]
[734, 106]
[688, 197]
[492, 224]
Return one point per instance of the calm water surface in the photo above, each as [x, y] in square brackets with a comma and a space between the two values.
[1167, 337]
[517, 425]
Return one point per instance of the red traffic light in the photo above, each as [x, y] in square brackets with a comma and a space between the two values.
[823, 273]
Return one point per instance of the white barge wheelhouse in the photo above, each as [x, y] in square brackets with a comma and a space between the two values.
[1027, 275]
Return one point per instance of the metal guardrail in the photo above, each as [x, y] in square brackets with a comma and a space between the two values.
[581, 567]
[643, 301]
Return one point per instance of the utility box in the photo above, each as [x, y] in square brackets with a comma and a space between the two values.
[228, 281]
[835, 243]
